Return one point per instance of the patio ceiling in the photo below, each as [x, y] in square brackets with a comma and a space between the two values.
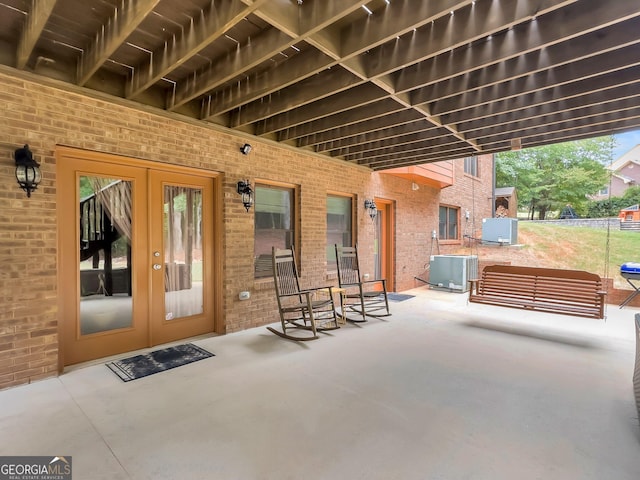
[381, 83]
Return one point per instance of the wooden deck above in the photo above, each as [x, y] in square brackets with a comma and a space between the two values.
[436, 175]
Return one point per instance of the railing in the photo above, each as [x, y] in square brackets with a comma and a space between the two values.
[93, 220]
[630, 226]
[97, 234]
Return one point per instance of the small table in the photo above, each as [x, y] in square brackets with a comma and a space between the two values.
[342, 318]
[630, 271]
[636, 289]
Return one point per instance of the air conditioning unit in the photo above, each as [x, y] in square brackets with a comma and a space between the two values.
[500, 231]
[452, 272]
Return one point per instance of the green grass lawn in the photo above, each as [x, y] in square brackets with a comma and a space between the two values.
[580, 248]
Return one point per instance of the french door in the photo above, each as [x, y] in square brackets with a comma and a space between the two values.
[136, 255]
[180, 223]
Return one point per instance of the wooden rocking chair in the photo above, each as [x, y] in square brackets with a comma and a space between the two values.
[300, 309]
[365, 298]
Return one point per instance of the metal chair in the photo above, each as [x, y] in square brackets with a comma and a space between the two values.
[365, 298]
[302, 310]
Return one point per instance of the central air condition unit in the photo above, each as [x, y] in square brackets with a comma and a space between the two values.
[500, 231]
[452, 272]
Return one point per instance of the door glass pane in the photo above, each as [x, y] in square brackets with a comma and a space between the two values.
[182, 227]
[105, 254]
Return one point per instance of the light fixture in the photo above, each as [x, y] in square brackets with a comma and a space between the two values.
[371, 208]
[244, 189]
[27, 170]
[245, 149]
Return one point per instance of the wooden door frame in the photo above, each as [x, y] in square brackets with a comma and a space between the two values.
[387, 242]
[62, 153]
[69, 299]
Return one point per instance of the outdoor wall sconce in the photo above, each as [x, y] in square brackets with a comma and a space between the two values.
[27, 170]
[370, 207]
[244, 189]
[245, 149]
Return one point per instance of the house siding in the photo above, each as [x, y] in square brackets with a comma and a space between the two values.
[49, 115]
[626, 174]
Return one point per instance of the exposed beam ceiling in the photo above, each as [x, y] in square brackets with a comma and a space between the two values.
[380, 83]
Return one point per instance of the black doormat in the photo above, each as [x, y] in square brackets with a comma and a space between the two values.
[399, 297]
[140, 366]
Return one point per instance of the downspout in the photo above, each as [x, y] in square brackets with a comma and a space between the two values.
[493, 186]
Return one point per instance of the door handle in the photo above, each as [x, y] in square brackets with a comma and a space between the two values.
[156, 266]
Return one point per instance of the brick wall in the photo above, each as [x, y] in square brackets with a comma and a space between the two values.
[46, 115]
[471, 194]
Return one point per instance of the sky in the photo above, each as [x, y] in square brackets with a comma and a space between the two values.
[625, 142]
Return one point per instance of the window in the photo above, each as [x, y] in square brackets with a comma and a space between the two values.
[604, 191]
[471, 166]
[448, 223]
[274, 224]
[339, 226]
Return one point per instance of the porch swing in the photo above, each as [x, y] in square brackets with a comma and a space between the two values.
[551, 290]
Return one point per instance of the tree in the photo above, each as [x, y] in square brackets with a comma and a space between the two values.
[611, 207]
[549, 177]
[631, 196]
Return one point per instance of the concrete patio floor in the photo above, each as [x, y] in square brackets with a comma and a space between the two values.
[440, 390]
